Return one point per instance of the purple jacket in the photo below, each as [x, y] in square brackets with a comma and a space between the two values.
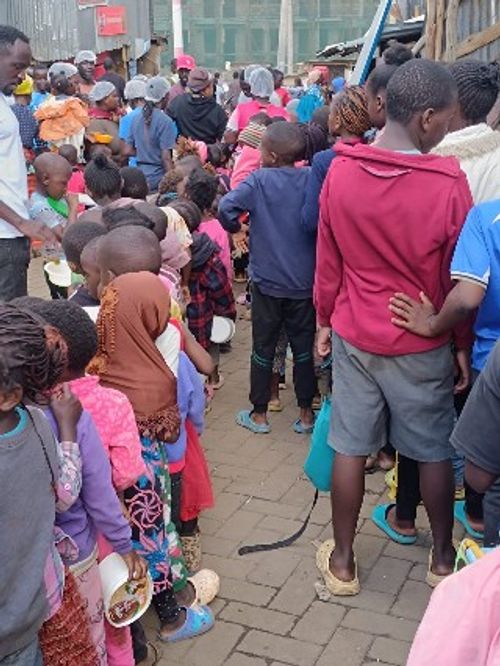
[191, 401]
[98, 508]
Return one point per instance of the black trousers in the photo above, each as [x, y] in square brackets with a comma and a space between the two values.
[14, 262]
[298, 317]
[184, 528]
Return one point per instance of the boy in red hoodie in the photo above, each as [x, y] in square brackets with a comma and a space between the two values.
[390, 217]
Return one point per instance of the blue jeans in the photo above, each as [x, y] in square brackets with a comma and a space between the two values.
[28, 656]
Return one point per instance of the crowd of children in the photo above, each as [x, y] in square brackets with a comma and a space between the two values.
[367, 233]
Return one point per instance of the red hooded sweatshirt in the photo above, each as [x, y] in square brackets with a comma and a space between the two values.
[389, 222]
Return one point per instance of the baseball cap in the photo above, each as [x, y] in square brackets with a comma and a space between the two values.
[199, 79]
[186, 62]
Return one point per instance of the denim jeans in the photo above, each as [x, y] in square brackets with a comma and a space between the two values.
[14, 262]
[28, 656]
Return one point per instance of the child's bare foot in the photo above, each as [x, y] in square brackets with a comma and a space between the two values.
[259, 419]
[343, 568]
[385, 461]
[170, 628]
[404, 527]
[186, 596]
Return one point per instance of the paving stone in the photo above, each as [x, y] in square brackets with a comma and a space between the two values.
[240, 524]
[239, 590]
[217, 545]
[368, 549]
[289, 650]
[239, 659]
[229, 567]
[347, 648]
[390, 651]
[418, 572]
[387, 575]
[298, 592]
[271, 508]
[214, 647]
[225, 506]
[273, 571]
[412, 601]
[412, 553]
[319, 623]
[368, 600]
[380, 625]
[258, 618]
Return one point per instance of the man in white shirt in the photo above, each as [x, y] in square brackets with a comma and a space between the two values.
[15, 228]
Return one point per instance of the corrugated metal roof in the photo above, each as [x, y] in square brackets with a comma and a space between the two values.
[58, 29]
[53, 31]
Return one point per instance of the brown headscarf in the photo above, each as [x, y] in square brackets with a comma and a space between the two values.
[134, 313]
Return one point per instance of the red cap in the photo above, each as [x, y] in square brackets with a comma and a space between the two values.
[186, 62]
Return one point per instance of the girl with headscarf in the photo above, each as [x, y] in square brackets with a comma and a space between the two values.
[133, 316]
[105, 114]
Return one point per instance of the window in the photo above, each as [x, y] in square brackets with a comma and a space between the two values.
[209, 10]
[325, 8]
[304, 52]
[229, 8]
[257, 41]
[273, 40]
[210, 40]
[328, 34]
[230, 42]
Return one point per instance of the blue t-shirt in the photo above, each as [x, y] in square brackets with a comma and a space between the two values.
[38, 98]
[125, 130]
[149, 142]
[477, 259]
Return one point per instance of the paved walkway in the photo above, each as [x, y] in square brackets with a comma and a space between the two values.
[268, 612]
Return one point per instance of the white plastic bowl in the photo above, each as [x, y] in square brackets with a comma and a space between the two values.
[124, 601]
[223, 330]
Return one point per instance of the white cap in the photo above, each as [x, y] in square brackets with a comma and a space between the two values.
[85, 56]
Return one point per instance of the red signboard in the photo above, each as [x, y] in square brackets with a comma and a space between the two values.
[111, 20]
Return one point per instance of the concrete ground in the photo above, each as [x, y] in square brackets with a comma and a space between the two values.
[268, 612]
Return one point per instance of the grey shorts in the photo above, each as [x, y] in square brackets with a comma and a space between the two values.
[405, 400]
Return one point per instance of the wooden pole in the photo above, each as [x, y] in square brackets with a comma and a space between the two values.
[430, 30]
[451, 30]
[440, 19]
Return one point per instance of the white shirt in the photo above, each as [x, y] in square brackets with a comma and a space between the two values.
[13, 178]
[477, 148]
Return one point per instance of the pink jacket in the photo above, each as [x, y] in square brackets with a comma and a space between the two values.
[248, 161]
[461, 625]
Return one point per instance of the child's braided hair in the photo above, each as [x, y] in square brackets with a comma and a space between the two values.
[478, 87]
[33, 356]
[351, 107]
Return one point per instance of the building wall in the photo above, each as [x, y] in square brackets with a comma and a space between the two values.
[245, 31]
[58, 29]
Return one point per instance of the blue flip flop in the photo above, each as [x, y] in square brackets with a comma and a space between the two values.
[199, 620]
[379, 517]
[302, 429]
[461, 516]
[245, 420]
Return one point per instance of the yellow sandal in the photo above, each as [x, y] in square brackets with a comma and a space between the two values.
[335, 586]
